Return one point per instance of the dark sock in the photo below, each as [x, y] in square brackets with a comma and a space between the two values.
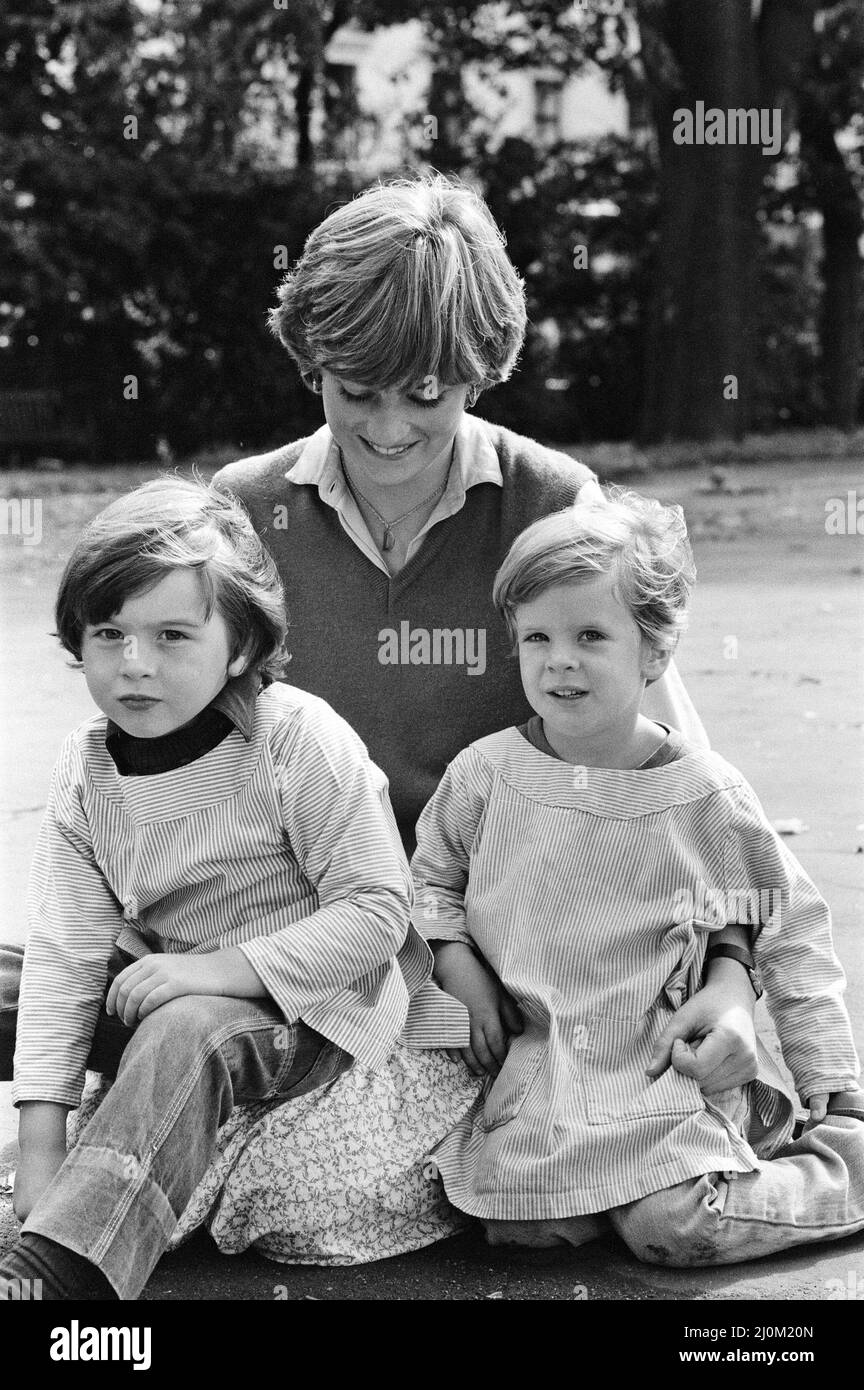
[64, 1275]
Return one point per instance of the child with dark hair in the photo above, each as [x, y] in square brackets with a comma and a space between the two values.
[218, 897]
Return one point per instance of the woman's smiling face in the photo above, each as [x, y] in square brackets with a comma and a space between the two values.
[391, 438]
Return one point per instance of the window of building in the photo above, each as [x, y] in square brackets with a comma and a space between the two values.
[341, 113]
[547, 110]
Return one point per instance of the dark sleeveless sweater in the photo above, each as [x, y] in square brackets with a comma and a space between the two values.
[400, 657]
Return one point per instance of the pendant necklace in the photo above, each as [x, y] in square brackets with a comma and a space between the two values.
[388, 541]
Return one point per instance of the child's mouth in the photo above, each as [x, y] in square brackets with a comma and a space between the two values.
[567, 694]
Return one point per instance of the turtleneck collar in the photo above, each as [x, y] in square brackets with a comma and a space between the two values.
[233, 708]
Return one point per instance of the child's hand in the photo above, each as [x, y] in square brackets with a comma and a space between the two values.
[710, 1039]
[493, 1013]
[153, 980]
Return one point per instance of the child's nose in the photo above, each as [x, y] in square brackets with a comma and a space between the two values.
[138, 657]
[563, 657]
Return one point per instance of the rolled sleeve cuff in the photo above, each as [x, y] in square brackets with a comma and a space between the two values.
[847, 1081]
[436, 1019]
[26, 1089]
[266, 959]
[432, 929]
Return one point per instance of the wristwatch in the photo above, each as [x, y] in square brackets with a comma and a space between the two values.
[743, 958]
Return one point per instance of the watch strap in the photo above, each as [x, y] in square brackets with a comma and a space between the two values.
[723, 952]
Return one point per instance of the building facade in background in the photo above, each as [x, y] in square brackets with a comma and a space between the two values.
[381, 81]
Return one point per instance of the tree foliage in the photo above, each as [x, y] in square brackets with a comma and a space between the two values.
[160, 162]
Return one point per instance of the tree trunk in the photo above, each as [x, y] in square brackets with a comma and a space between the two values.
[697, 376]
[312, 58]
[841, 308]
[303, 111]
[842, 225]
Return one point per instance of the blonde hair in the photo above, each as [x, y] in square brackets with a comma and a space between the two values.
[640, 542]
[408, 281]
[167, 524]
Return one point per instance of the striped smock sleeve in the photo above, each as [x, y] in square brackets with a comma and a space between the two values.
[446, 832]
[73, 922]
[794, 950]
[337, 819]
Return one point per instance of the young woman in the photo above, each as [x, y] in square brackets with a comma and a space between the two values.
[389, 523]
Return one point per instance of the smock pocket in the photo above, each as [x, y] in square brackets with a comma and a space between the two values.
[510, 1087]
[613, 1083]
[685, 979]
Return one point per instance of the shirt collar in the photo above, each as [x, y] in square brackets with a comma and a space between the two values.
[319, 464]
[237, 699]
[474, 459]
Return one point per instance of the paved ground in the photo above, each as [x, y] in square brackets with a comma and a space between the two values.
[775, 663]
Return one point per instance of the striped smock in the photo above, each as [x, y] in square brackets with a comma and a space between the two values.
[283, 845]
[592, 892]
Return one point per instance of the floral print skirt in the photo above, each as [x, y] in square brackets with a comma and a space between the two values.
[336, 1177]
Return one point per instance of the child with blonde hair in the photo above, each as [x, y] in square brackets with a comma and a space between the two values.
[570, 875]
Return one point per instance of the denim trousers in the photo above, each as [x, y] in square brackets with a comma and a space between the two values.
[811, 1190]
[177, 1076]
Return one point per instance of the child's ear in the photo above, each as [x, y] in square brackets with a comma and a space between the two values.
[238, 665]
[654, 662]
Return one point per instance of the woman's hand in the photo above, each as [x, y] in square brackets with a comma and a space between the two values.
[821, 1104]
[153, 980]
[818, 1107]
[493, 1013]
[712, 1036]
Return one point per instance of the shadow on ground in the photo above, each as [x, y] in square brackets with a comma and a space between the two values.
[464, 1268]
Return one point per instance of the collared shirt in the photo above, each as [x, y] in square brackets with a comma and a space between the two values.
[354, 625]
[474, 461]
[232, 708]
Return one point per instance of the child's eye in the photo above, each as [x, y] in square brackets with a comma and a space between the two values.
[107, 634]
[349, 395]
[174, 636]
[535, 637]
[592, 634]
